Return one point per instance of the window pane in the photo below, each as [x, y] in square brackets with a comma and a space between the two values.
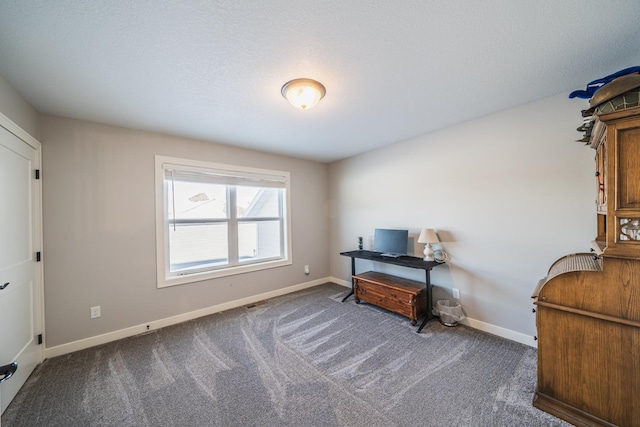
[256, 202]
[197, 246]
[196, 200]
[259, 240]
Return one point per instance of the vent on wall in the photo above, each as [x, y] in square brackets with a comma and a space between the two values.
[256, 304]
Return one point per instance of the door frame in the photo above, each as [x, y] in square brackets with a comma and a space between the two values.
[36, 203]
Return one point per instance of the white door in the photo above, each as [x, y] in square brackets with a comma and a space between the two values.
[20, 274]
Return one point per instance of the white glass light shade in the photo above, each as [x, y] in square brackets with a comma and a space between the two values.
[303, 93]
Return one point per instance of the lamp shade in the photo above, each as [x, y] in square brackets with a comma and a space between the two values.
[428, 235]
[303, 93]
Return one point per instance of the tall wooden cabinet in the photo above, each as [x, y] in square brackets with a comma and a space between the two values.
[588, 306]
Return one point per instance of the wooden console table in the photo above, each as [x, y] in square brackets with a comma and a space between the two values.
[403, 261]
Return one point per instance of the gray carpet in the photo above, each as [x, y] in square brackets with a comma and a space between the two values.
[304, 359]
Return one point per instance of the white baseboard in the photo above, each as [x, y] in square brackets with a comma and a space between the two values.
[500, 331]
[340, 282]
[476, 324]
[161, 323]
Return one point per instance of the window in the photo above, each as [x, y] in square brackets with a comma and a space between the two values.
[215, 220]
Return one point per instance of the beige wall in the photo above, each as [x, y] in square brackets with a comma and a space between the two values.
[15, 107]
[508, 194]
[99, 231]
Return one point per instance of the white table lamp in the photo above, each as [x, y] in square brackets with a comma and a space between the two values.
[428, 236]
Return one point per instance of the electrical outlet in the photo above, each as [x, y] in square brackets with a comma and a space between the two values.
[95, 312]
[306, 270]
[456, 293]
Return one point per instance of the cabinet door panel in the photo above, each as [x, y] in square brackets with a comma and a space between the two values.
[628, 173]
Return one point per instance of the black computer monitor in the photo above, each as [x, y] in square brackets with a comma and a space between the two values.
[390, 242]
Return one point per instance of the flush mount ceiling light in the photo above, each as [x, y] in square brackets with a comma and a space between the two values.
[303, 93]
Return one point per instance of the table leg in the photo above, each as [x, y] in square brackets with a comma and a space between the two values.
[353, 273]
[429, 315]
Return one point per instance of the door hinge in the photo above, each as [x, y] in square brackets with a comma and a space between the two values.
[38, 256]
[37, 173]
[40, 339]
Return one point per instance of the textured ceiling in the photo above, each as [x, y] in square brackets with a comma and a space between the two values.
[213, 69]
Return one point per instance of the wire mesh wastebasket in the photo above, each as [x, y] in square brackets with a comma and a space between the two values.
[450, 312]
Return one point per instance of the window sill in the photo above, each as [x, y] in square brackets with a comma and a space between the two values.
[164, 282]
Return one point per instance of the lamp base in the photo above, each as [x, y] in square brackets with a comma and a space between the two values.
[428, 252]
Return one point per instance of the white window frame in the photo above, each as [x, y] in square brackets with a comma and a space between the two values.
[164, 277]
